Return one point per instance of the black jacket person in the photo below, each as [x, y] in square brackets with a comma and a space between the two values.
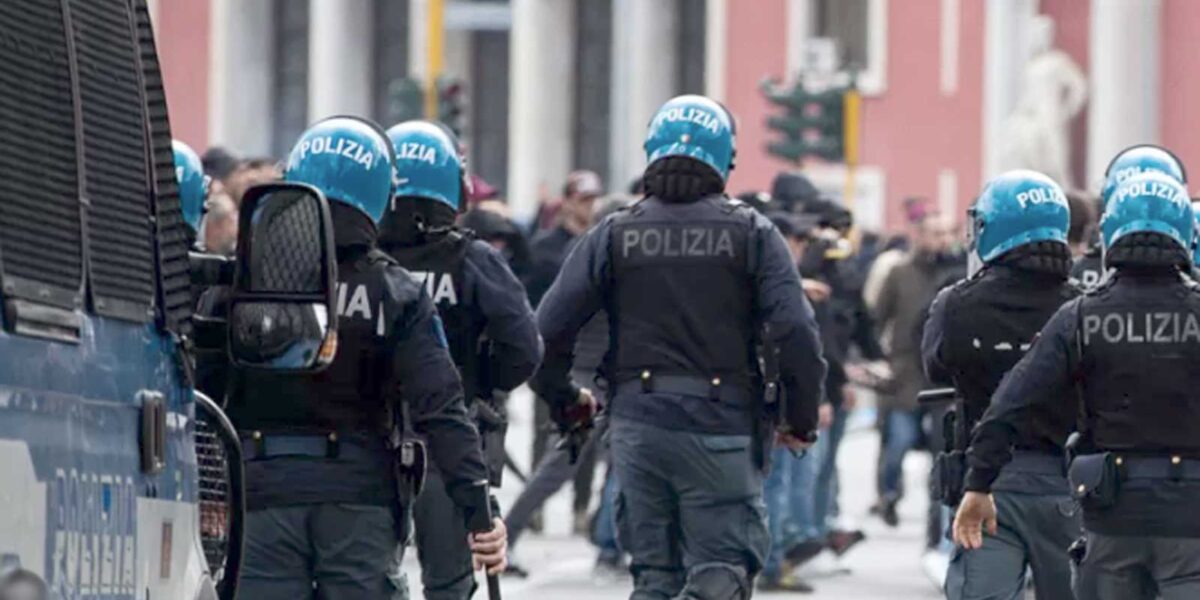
[687, 277]
[1123, 359]
[976, 331]
[322, 495]
[490, 328]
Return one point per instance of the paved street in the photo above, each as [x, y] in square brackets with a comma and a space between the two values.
[885, 567]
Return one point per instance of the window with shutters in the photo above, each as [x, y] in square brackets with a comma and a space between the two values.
[87, 187]
[41, 245]
[848, 36]
[120, 231]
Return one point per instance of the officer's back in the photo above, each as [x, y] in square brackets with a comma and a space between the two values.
[322, 494]
[1123, 356]
[476, 296]
[686, 277]
[977, 330]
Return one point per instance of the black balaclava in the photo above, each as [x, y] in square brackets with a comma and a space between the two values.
[681, 179]
[413, 221]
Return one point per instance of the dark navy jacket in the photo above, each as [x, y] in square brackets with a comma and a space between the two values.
[392, 350]
[1138, 379]
[583, 288]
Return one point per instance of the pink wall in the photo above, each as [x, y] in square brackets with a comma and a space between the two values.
[183, 49]
[756, 42]
[912, 131]
[1180, 116]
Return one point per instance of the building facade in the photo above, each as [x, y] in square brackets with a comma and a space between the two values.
[554, 85]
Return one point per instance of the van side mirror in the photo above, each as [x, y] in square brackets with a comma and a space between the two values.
[282, 315]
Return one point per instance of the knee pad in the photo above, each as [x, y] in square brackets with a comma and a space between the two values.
[717, 581]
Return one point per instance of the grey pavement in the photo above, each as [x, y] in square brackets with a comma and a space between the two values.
[887, 566]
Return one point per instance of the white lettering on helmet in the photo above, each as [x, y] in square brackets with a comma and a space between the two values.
[343, 147]
[703, 118]
[1154, 189]
[417, 152]
[1038, 195]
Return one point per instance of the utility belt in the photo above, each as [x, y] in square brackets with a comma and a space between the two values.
[1096, 478]
[257, 445]
[687, 385]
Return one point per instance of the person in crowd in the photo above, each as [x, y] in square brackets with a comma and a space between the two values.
[548, 250]
[250, 173]
[790, 484]
[904, 297]
[556, 466]
[846, 328]
[1084, 223]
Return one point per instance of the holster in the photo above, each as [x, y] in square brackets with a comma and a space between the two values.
[950, 470]
[410, 463]
[1077, 550]
[950, 465]
[493, 428]
[766, 420]
[1095, 480]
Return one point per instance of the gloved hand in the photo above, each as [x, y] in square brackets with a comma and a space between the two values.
[579, 413]
[793, 442]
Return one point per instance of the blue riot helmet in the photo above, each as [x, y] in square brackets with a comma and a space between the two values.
[428, 164]
[349, 159]
[193, 183]
[1196, 232]
[1017, 208]
[1140, 159]
[1151, 202]
[695, 127]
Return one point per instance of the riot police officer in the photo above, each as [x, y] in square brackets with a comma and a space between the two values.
[322, 492]
[686, 276]
[193, 187]
[976, 331]
[490, 327]
[1196, 241]
[1123, 359]
[1127, 163]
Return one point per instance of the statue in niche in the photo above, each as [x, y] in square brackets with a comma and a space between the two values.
[1053, 90]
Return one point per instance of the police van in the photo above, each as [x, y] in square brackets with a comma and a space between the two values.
[102, 493]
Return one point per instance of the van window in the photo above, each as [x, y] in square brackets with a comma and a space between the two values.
[40, 234]
[119, 228]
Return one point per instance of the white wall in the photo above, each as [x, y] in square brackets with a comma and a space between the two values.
[644, 76]
[241, 76]
[540, 99]
[340, 57]
[1124, 46]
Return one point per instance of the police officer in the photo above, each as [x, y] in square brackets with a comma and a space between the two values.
[1196, 241]
[322, 493]
[193, 187]
[976, 332]
[489, 325]
[1123, 358]
[687, 277]
[1129, 162]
